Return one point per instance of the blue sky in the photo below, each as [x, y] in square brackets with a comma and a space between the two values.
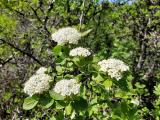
[114, 1]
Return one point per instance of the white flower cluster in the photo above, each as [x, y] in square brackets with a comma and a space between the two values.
[113, 67]
[67, 87]
[41, 70]
[66, 35]
[37, 83]
[79, 51]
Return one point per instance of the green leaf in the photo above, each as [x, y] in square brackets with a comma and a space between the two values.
[68, 109]
[7, 95]
[57, 50]
[86, 32]
[60, 104]
[157, 90]
[121, 94]
[35, 2]
[56, 96]
[58, 116]
[98, 78]
[94, 101]
[107, 83]
[157, 14]
[93, 110]
[30, 102]
[80, 105]
[59, 69]
[52, 118]
[76, 60]
[122, 84]
[95, 59]
[46, 102]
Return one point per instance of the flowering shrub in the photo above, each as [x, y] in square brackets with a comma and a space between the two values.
[83, 84]
[37, 83]
[66, 35]
[79, 52]
[67, 87]
[113, 67]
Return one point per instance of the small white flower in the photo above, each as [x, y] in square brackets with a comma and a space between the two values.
[66, 35]
[67, 87]
[79, 51]
[41, 70]
[113, 67]
[37, 83]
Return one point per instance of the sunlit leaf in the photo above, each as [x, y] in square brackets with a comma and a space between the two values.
[30, 102]
[56, 96]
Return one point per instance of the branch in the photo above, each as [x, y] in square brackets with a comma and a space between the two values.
[35, 12]
[47, 18]
[44, 24]
[3, 62]
[20, 50]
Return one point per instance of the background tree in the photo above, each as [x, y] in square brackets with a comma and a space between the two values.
[126, 31]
